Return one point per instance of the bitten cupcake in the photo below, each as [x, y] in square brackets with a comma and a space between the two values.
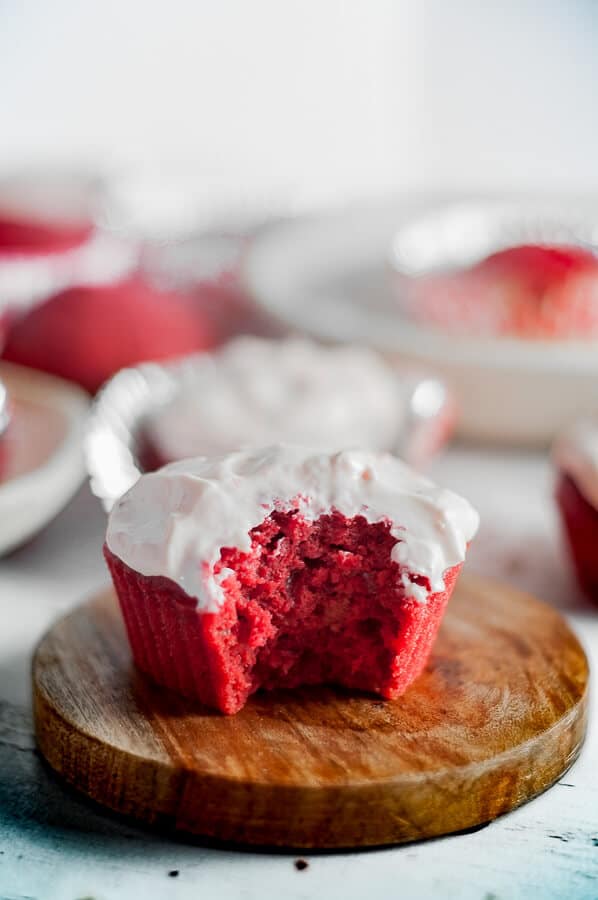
[283, 566]
[575, 455]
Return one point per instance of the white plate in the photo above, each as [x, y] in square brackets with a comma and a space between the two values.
[44, 460]
[330, 277]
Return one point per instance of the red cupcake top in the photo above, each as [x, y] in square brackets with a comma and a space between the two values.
[530, 291]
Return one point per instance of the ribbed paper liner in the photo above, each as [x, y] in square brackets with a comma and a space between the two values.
[169, 642]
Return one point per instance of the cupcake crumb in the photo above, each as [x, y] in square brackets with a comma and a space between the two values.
[301, 864]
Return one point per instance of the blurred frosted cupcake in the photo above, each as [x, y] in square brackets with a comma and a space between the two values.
[46, 224]
[49, 240]
[256, 392]
[575, 455]
[501, 269]
[529, 291]
[44, 212]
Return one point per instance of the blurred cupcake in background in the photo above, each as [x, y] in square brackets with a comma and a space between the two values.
[132, 302]
[46, 213]
[255, 392]
[49, 239]
[575, 456]
[86, 333]
[500, 271]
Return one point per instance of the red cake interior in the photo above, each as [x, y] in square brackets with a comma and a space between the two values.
[310, 603]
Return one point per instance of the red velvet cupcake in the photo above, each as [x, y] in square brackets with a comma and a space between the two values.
[528, 291]
[575, 455]
[87, 333]
[282, 567]
[46, 233]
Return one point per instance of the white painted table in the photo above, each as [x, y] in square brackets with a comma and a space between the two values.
[56, 846]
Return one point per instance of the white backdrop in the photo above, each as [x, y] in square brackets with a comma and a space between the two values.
[319, 99]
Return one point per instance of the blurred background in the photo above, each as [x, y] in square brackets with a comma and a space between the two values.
[173, 175]
[306, 103]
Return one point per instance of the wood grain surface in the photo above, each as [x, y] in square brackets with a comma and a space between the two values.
[496, 718]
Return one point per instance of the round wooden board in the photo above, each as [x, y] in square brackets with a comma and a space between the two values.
[497, 717]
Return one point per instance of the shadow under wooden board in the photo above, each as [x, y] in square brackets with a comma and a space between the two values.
[497, 717]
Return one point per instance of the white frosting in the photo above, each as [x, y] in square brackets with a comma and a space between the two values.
[257, 392]
[575, 452]
[175, 522]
